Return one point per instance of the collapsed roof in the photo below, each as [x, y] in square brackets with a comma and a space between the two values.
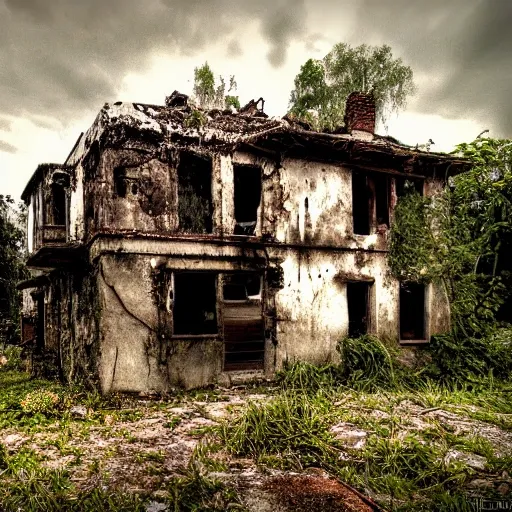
[184, 126]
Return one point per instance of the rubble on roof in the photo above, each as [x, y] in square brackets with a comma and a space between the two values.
[184, 125]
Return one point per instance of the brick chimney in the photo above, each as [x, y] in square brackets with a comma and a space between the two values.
[360, 114]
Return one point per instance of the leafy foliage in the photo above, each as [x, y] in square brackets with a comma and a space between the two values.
[366, 362]
[462, 237]
[210, 94]
[40, 400]
[11, 266]
[322, 86]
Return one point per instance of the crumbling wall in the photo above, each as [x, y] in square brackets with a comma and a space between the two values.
[130, 190]
[312, 310]
[80, 312]
[308, 203]
[69, 326]
[132, 345]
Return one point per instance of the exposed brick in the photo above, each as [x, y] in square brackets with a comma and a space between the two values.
[360, 112]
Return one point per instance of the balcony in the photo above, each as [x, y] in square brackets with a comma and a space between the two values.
[53, 234]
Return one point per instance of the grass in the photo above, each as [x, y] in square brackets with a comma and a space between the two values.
[402, 466]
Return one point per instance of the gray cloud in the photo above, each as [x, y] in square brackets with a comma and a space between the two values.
[7, 148]
[280, 25]
[234, 49]
[5, 124]
[462, 49]
[61, 58]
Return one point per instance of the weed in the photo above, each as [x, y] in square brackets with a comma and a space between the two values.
[195, 490]
[367, 363]
[154, 456]
[291, 424]
[308, 377]
[173, 422]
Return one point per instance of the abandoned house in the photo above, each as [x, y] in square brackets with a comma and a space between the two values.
[182, 247]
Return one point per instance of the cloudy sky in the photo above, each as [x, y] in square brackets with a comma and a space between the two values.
[61, 60]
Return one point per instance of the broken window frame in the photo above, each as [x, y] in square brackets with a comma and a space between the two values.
[369, 305]
[54, 200]
[406, 312]
[234, 358]
[174, 296]
[246, 227]
[205, 195]
[375, 197]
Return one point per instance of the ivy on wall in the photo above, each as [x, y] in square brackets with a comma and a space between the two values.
[462, 238]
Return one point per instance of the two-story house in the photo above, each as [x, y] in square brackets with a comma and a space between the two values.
[179, 247]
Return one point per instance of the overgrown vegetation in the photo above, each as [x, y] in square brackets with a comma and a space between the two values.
[399, 465]
[461, 238]
[210, 94]
[12, 269]
[322, 86]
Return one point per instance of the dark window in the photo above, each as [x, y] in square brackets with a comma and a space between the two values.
[247, 191]
[361, 204]
[412, 311]
[120, 181]
[195, 209]
[241, 286]
[243, 322]
[406, 186]
[382, 193]
[195, 300]
[358, 308]
[58, 205]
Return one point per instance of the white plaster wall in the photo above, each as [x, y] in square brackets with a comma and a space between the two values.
[312, 308]
[128, 323]
[30, 225]
[329, 195]
[76, 207]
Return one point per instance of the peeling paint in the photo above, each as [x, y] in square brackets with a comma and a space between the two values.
[111, 315]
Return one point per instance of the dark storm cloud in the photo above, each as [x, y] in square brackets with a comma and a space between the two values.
[462, 49]
[7, 148]
[280, 25]
[62, 57]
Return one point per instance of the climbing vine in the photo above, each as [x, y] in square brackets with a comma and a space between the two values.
[462, 238]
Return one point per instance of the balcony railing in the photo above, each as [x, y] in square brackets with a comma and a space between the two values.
[54, 234]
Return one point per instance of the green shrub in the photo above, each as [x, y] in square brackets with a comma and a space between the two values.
[463, 359]
[40, 401]
[12, 354]
[366, 363]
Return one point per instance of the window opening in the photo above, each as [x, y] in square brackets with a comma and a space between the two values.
[358, 308]
[247, 195]
[195, 209]
[40, 321]
[244, 334]
[412, 311]
[382, 193]
[58, 205]
[361, 204]
[120, 181]
[195, 303]
[406, 186]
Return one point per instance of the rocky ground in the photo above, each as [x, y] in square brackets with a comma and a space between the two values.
[142, 446]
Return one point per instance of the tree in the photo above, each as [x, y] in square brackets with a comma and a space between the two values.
[322, 86]
[12, 267]
[212, 95]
